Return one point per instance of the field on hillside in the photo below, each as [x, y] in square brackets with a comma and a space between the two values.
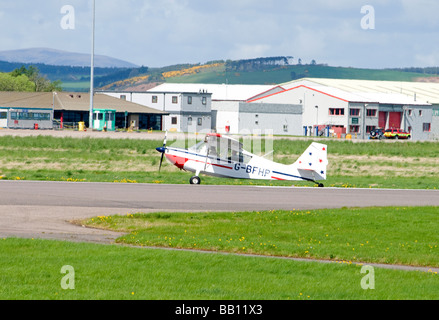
[287, 73]
[218, 73]
[402, 164]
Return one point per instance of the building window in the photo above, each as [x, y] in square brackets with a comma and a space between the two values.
[174, 99]
[370, 128]
[30, 116]
[409, 129]
[189, 121]
[354, 129]
[354, 112]
[123, 97]
[285, 128]
[3, 115]
[426, 127]
[174, 120]
[420, 113]
[410, 112]
[336, 111]
[200, 121]
[189, 100]
[204, 100]
[154, 99]
[371, 112]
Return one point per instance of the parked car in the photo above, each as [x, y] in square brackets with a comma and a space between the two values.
[396, 134]
[377, 133]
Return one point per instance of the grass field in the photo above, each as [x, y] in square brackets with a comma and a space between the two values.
[362, 164]
[31, 269]
[391, 235]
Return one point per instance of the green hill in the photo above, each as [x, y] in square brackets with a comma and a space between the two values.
[288, 73]
[271, 70]
[234, 73]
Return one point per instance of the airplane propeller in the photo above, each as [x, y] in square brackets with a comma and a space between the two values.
[162, 150]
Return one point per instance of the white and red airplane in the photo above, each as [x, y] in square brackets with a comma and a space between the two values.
[222, 156]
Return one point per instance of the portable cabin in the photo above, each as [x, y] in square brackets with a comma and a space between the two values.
[104, 119]
[26, 118]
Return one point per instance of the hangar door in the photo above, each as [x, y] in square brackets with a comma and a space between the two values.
[395, 120]
[392, 118]
[382, 119]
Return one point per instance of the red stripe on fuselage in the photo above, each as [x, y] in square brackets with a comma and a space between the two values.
[179, 162]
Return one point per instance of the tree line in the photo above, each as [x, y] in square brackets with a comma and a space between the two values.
[426, 70]
[27, 79]
[258, 63]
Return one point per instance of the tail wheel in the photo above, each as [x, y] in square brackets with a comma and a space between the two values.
[195, 180]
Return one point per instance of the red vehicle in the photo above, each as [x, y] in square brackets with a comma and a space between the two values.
[396, 134]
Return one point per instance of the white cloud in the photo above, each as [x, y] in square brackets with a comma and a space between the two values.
[249, 51]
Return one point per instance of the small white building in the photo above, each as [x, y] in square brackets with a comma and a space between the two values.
[228, 104]
[233, 115]
[189, 111]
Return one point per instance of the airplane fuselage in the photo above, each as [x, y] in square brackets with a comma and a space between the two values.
[256, 167]
[223, 156]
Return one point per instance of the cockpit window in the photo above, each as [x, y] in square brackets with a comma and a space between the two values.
[198, 147]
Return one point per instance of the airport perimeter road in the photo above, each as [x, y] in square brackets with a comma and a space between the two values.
[44, 209]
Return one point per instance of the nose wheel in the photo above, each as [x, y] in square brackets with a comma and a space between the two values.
[195, 180]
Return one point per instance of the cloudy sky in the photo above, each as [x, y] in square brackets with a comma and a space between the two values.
[155, 33]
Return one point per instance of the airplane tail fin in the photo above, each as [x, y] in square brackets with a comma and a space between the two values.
[312, 163]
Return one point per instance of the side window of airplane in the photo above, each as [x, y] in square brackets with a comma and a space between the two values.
[212, 150]
[246, 158]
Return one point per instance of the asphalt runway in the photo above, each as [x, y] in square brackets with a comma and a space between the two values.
[46, 209]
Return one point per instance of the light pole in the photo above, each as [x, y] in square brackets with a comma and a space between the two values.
[317, 121]
[92, 68]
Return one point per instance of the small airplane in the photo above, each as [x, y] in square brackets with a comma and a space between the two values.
[223, 156]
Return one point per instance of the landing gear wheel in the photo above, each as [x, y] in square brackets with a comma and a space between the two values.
[195, 180]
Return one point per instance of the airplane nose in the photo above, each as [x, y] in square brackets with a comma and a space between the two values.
[161, 149]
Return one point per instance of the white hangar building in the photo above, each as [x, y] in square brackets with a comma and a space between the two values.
[359, 106]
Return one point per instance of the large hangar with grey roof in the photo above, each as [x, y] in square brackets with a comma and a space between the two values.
[358, 106]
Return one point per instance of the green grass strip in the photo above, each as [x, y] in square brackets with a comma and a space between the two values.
[31, 269]
[390, 235]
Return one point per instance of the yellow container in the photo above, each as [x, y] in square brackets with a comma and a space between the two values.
[348, 136]
[81, 126]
